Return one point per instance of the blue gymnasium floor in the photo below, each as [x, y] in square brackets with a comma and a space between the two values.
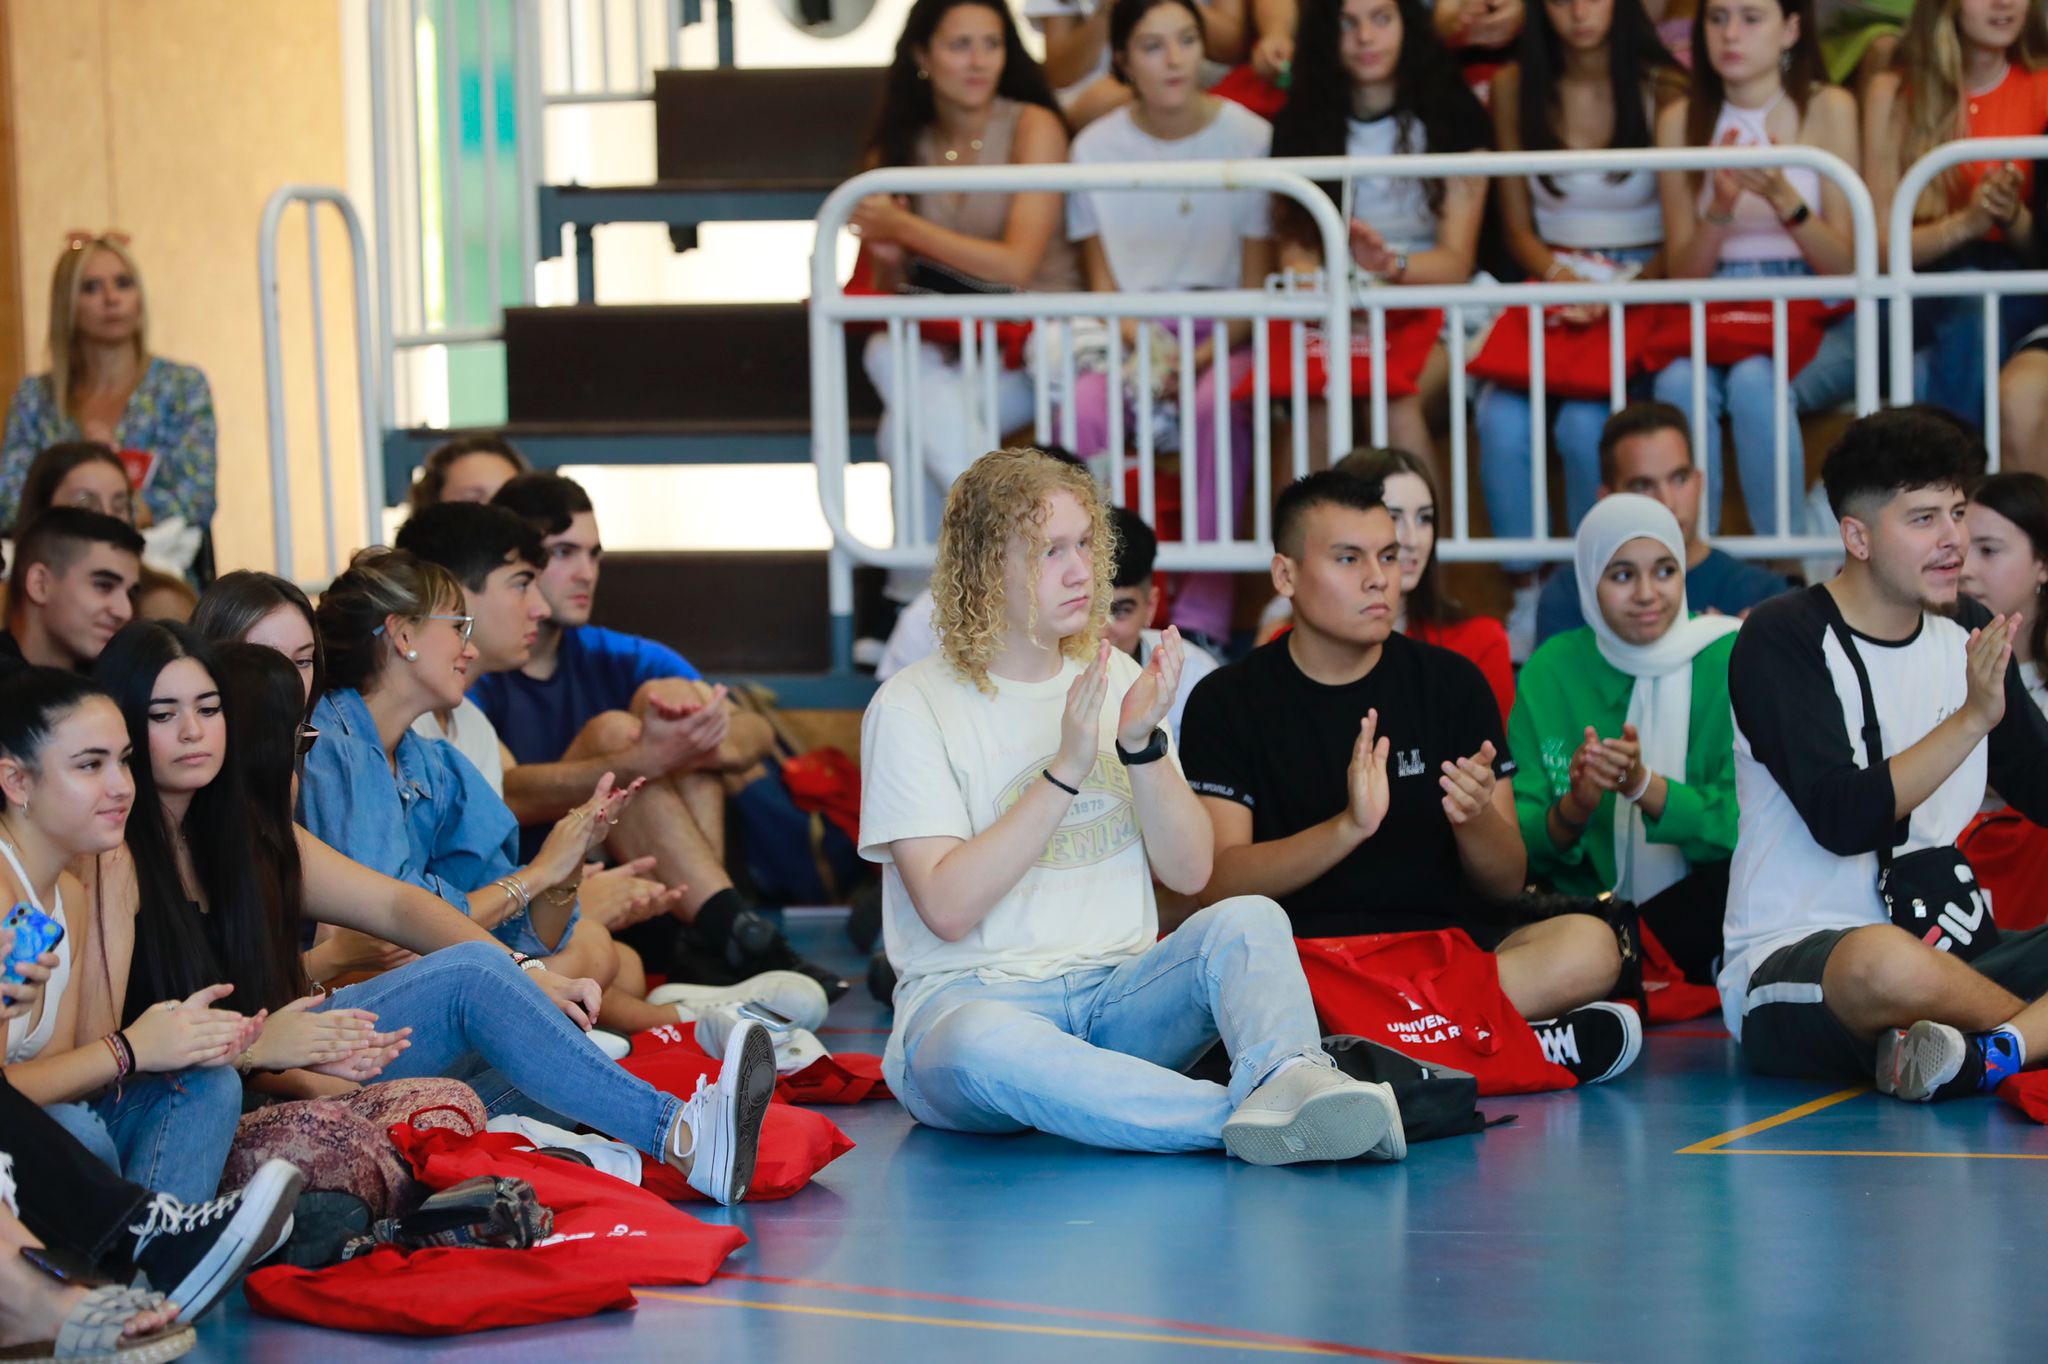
[1683, 1212]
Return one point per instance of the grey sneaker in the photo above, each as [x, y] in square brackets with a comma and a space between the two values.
[1914, 1063]
[725, 1119]
[1311, 1112]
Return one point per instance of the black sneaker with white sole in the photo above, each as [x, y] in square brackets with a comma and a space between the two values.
[725, 1119]
[193, 1253]
[1594, 1042]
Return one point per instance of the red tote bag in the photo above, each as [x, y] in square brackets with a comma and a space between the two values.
[1011, 337]
[2009, 853]
[1740, 331]
[608, 1235]
[1410, 334]
[1431, 996]
[1575, 354]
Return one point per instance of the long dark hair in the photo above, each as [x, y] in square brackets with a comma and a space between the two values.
[33, 702]
[266, 705]
[2023, 500]
[1804, 73]
[907, 108]
[1428, 603]
[50, 469]
[174, 953]
[237, 601]
[1430, 94]
[1636, 57]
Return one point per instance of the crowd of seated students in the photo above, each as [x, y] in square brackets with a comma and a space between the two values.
[320, 864]
[1379, 77]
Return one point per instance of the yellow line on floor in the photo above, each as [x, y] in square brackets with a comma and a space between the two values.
[1901, 1155]
[1081, 1332]
[1712, 1144]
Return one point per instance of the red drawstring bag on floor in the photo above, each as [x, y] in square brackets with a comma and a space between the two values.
[1673, 999]
[2028, 1092]
[796, 1143]
[2009, 853]
[1739, 331]
[1432, 996]
[1575, 355]
[1410, 335]
[845, 1077]
[608, 1235]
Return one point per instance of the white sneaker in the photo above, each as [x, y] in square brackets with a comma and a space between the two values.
[792, 994]
[615, 1047]
[1312, 1112]
[795, 1048]
[725, 1119]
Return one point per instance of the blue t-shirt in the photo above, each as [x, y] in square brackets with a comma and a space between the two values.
[597, 670]
[1721, 583]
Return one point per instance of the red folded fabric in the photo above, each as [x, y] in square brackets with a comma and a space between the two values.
[1410, 335]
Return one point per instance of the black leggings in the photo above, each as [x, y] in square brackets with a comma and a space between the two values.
[1687, 917]
[68, 1196]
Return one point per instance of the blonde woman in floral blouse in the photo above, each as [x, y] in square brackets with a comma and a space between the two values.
[104, 385]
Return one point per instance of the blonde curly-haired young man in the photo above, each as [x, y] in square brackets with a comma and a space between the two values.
[1022, 797]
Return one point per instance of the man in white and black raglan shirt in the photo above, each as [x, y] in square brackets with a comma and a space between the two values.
[1359, 777]
[1819, 980]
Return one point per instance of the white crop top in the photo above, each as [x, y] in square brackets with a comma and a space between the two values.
[25, 1043]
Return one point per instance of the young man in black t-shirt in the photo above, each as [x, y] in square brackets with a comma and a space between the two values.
[1354, 775]
[1820, 979]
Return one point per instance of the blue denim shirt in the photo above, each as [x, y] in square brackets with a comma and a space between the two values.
[438, 826]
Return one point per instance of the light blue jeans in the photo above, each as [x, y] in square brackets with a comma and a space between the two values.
[1743, 391]
[1096, 1055]
[1948, 333]
[475, 1016]
[168, 1133]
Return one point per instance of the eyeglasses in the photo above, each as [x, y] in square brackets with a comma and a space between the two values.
[467, 624]
[308, 736]
[78, 238]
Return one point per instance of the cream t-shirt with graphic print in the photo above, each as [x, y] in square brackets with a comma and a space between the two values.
[942, 759]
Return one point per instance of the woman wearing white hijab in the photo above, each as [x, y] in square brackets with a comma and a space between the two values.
[1626, 741]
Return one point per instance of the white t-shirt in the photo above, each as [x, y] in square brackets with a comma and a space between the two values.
[913, 639]
[1799, 713]
[1038, 11]
[1162, 239]
[474, 737]
[944, 760]
[1394, 206]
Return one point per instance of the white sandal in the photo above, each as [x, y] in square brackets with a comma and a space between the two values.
[94, 1330]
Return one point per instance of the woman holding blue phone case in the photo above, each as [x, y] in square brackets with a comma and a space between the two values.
[156, 1101]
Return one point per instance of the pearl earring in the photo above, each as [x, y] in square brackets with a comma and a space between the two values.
[923, 74]
[412, 655]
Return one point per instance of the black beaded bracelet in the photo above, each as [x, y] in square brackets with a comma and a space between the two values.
[1070, 790]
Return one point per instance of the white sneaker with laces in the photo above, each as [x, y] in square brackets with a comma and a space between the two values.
[792, 994]
[795, 1048]
[724, 1119]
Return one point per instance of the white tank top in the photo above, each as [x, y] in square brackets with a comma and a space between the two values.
[1757, 233]
[1592, 212]
[1394, 207]
[24, 1043]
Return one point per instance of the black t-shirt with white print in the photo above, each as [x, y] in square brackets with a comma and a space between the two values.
[1263, 734]
[1814, 809]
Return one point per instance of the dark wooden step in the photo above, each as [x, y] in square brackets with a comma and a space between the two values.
[714, 366]
[762, 125]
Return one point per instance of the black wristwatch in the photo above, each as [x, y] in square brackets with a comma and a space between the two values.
[1150, 753]
[1797, 217]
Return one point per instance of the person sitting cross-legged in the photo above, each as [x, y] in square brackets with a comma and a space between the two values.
[1353, 774]
[1021, 797]
[1870, 711]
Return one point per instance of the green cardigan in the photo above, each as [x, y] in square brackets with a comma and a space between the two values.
[1565, 686]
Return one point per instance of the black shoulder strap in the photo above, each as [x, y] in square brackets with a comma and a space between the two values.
[1873, 735]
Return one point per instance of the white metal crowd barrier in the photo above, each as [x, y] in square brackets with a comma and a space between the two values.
[313, 196]
[1909, 283]
[1331, 302]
